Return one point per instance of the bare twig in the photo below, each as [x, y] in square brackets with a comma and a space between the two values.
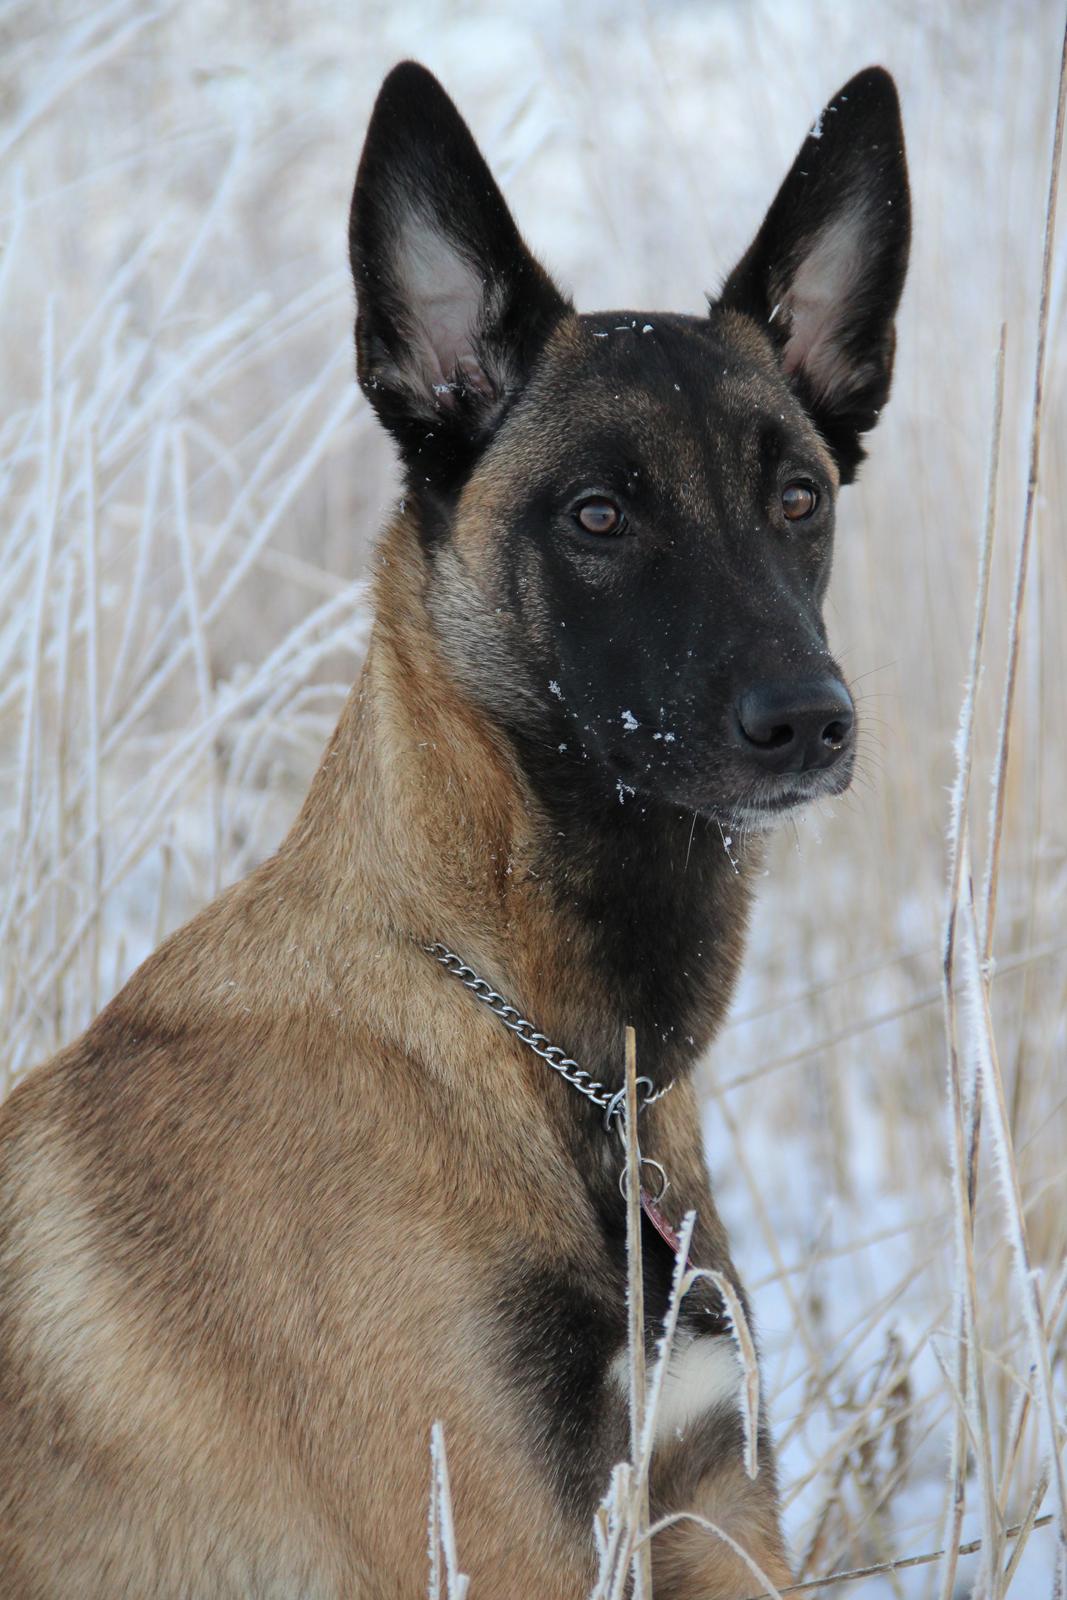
[900, 1565]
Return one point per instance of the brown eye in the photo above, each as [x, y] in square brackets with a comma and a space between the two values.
[599, 516]
[799, 501]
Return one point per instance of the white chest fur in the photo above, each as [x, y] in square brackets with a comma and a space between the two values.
[702, 1374]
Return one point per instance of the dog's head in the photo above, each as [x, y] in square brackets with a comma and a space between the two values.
[627, 517]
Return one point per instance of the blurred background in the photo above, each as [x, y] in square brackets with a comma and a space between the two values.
[190, 484]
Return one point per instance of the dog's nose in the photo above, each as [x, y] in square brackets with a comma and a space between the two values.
[796, 726]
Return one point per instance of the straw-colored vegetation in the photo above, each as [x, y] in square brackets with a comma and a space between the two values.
[189, 488]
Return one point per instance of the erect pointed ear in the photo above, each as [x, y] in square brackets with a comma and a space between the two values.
[825, 271]
[452, 307]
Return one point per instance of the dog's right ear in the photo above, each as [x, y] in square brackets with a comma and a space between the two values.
[452, 307]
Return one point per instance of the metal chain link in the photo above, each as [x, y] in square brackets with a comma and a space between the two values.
[610, 1100]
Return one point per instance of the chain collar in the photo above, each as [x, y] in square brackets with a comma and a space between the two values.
[611, 1101]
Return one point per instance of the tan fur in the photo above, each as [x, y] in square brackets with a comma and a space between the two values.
[253, 1223]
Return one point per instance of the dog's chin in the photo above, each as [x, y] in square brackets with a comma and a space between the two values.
[753, 801]
[775, 800]
[763, 804]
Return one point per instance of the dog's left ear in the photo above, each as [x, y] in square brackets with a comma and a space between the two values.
[824, 274]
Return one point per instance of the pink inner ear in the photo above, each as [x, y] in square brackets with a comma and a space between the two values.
[447, 301]
[817, 304]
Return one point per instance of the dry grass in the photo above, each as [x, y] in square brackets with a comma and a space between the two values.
[188, 487]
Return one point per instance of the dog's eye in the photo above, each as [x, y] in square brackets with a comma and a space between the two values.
[799, 501]
[599, 516]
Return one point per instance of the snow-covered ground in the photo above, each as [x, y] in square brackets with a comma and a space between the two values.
[189, 485]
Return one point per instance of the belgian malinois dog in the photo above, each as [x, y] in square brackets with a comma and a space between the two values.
[296, 1194]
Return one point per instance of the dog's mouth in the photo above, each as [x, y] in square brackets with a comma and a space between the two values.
[743, 802]
[771, 800]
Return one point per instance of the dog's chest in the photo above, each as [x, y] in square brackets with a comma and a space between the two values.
[702, 1374]
[568, 1355]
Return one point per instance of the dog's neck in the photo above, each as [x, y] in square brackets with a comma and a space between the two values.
[428, 822]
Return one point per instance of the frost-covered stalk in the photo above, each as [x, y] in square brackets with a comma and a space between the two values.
[1029, 1302]
[1056, 1310]
[749, 1393]
[635, 1301]
[45, 505]
[964, 1097]
[989, 897]
[239, 515]
[444, 1561]
[965, 1087]
[197, 634]
[279, 505]
[92, 709]
[618, 1527]
[979, 978]
[347, 621]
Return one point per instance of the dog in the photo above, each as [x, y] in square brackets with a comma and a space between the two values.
[296, 1193]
